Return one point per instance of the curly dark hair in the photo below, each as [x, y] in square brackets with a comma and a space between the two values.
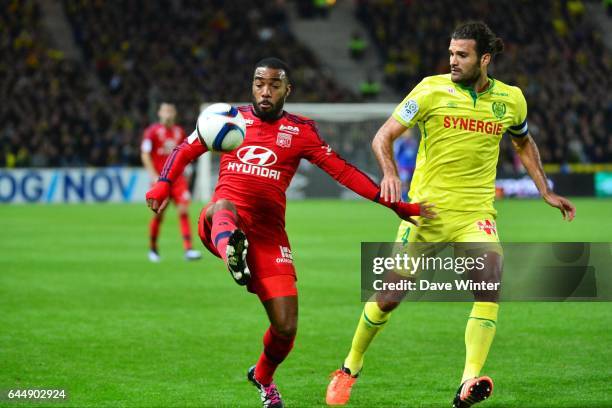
[486, 41]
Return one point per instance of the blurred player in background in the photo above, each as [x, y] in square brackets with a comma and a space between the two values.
[462, 117]
[249, 201]
[157, 143]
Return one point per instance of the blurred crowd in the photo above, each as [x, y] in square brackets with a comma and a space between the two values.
[61, 112]
[192, 49]
[51, 115]
[136, 54]
[552, 53]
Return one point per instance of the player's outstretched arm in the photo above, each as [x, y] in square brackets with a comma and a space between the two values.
[530, 157]
[407, 210]
[157, 197]
[354, 179]
[382, 146]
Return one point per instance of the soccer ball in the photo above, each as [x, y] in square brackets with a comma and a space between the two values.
[221, 127]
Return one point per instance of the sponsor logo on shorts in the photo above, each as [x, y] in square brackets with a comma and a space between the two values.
[487, 226]
[286, 256]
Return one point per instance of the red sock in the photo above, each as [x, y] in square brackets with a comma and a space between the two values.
[154, 232]
[276, 348]
[223, 224]
[185, 230]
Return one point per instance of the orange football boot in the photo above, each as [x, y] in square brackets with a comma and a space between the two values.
[339, 388]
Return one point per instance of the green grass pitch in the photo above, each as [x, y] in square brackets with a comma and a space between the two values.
[82, 309]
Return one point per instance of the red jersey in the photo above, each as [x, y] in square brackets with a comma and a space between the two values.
[159, 141]
[256, 175]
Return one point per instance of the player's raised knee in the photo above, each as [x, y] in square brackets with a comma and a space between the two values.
[223, 204]
[220, 205]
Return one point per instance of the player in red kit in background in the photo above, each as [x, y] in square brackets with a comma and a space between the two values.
[157, 143]
[249, 201]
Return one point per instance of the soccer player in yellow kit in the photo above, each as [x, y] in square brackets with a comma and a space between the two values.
[462, 117]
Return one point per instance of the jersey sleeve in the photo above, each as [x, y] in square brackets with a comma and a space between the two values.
[146, 146]
[322, 155]
[180, 157]
[414, 107]
[519, 128]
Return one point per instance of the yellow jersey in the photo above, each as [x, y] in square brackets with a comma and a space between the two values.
[460, 134]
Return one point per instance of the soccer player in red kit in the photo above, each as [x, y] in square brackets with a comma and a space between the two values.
[157, 143]
[249, 201]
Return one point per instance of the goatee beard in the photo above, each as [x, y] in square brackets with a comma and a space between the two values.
[471, 81]
[267, 116]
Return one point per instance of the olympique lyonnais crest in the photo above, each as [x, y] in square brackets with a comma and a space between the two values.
[487, 226]
[499, 109]
[283, 140]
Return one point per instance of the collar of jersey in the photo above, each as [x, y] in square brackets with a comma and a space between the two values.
[473, 93]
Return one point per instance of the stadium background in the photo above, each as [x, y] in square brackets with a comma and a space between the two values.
[83, 310]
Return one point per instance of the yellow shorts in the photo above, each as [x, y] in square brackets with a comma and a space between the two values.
[451, 226]
[468, 233]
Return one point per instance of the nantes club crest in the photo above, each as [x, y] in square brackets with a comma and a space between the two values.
[499, 109]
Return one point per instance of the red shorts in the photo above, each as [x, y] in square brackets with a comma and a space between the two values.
[180, 191]
[269, 258]
[273, 287]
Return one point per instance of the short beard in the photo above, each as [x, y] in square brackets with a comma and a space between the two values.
[471, 80]
[270, 115]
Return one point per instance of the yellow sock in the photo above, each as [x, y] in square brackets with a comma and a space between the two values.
[371, 322]
[479, 334]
